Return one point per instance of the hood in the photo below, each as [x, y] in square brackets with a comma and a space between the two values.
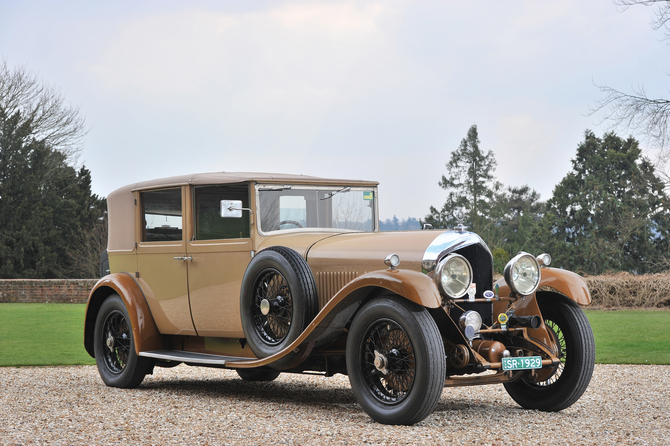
[300, 241]
[362, 252]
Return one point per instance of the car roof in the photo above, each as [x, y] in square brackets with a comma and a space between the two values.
[242, 177]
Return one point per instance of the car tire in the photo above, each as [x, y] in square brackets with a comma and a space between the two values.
[395, 361]
[278, 300]
[114, 344]
[258, 374]
[568, 324]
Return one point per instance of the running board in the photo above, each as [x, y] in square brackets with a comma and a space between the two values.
[193, 358]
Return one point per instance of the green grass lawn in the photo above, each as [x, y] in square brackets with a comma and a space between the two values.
[42, 334]
[52, 334]
[631, 336]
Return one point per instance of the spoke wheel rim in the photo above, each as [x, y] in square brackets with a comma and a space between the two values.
[559, 338]
[389, 339]
[274, 326]
[115, 342]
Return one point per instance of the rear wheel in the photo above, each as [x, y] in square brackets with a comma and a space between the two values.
[573, 336]
[258, 374]
[118, 364]
[395, 361]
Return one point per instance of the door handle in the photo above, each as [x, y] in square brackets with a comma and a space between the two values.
[184, 258]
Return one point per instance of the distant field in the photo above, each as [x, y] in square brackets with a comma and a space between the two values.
[52, 334]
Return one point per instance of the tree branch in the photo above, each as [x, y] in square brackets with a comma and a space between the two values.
[662, 12]
[635, 112]
[58, 125]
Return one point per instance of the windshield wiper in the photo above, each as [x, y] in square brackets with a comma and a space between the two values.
[330, 195]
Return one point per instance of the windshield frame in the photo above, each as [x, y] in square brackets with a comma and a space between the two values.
[334, 188]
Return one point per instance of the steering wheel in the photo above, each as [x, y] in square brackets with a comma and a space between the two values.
[290, 222]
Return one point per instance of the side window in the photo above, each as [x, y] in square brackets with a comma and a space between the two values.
[209, 225]
[162, 216]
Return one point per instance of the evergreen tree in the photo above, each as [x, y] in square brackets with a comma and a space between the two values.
[470, 184]
[409, 224]
[47, 212]
[518, 211]
[610, 213]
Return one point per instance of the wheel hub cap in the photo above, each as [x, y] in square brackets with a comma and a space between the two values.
[110, 341]
[381, 363]
[265, 307]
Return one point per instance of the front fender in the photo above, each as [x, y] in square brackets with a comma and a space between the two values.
[412, 285]
[333, 319]
[145, 332]
[565, 282]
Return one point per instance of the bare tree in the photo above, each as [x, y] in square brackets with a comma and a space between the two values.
[662, 12]
[41, 106]
[637, 112]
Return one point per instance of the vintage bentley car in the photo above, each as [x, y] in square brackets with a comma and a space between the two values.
[266, 274]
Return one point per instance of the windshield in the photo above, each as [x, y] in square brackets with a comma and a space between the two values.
[291, 207]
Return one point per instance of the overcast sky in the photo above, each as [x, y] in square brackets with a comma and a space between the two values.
[348, 89]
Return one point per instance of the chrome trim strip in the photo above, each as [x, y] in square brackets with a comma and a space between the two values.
[445, 243]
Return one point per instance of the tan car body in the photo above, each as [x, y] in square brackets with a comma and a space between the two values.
[194, 302]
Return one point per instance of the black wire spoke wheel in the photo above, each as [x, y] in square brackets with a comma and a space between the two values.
[116, 339]
[387, 346]
[114, 345]
[559, 339]
[395, 360]
[278, 300]
[575, 348]
[272, 310]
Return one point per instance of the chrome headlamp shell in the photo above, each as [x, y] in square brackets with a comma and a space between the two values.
[470, 323]
[453, 275]
[522, 274]
[544, 259]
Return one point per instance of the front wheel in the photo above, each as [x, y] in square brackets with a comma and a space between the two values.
[118, 364]
[571, 330]
[395, 361]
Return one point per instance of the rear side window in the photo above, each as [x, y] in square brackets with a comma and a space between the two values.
[162, 215]
[209, 225]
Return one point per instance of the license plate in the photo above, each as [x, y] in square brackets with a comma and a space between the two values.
[523, 363]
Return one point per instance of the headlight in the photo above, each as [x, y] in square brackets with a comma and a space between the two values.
[470, 323]
[454, 275]
[544, 259]
[522, 274]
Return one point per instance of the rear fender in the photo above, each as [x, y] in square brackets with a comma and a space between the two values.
[145, 332]
[565, 282]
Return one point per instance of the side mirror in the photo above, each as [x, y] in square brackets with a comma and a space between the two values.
[232, 208]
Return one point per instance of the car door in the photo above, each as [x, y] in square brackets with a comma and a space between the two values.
[221, 250]
[162, 261]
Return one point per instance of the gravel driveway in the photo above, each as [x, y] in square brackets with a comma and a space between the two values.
[185, 405]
